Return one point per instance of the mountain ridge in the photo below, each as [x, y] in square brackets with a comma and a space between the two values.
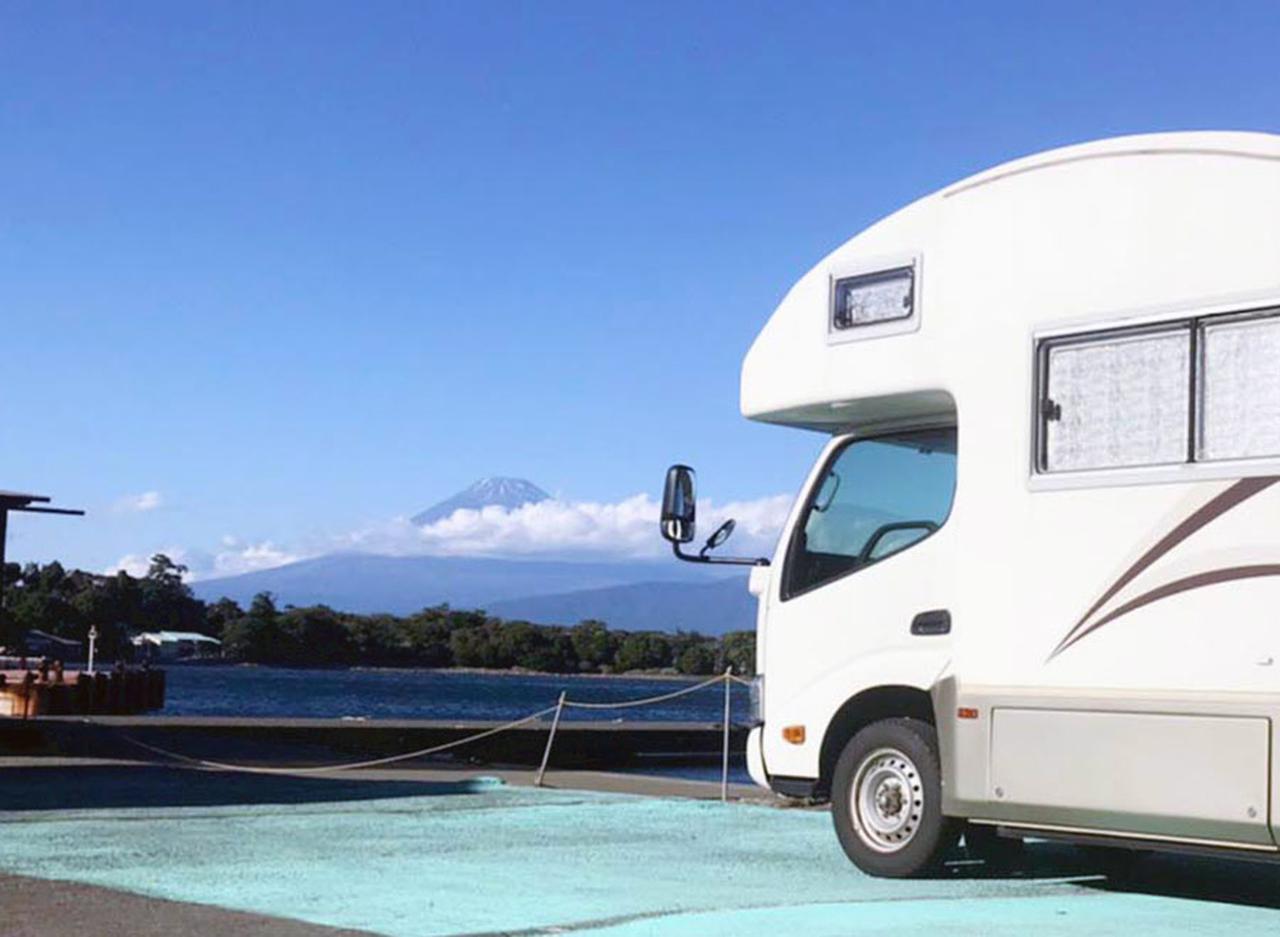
[370, 583]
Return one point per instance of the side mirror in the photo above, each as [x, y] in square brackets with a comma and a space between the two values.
[720, 536]
[679, 505]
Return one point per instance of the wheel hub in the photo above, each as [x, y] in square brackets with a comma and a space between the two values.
[887, 800]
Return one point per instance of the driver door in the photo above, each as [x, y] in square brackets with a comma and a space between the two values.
[867, 560]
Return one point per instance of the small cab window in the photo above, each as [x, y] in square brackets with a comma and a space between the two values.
[876, 497]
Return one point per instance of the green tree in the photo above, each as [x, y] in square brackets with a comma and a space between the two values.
[738, 650]
[537, 648]
[378, 639]
[318, 635]
[426, 637]
[697, 659]
[594, 644]
[258, 637]
[219, 614]
[167, 602]
[643, 650]
[478, 646]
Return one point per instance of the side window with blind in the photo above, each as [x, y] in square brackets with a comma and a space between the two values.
[1196, 390]
[1239, 388]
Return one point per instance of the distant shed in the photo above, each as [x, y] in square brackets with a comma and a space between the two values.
[176, 645]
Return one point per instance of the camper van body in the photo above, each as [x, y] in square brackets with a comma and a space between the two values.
[1091, 625]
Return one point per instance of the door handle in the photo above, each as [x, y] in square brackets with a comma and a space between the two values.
[937, 621]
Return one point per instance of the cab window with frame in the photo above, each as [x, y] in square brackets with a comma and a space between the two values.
[875, 498]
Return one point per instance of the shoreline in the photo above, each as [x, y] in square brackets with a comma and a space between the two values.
[476, 671]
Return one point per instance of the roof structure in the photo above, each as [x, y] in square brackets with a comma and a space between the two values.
[172, 637]
[22, 501]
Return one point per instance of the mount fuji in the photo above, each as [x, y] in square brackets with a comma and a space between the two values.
[509, 493]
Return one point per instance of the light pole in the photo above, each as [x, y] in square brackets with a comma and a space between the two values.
[93, 637]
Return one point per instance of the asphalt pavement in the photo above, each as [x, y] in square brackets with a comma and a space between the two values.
[177, 851]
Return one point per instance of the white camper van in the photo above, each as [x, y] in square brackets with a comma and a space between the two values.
[1032, 585]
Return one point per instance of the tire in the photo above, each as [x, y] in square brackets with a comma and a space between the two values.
[886, 800]
[997, 852]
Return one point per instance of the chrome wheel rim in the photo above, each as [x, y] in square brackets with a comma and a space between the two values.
[887, 800]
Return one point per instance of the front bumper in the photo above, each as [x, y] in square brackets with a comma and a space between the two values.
[802, 788]
[755, 757]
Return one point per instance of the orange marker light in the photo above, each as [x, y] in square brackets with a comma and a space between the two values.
[793, 734]
[965, 712]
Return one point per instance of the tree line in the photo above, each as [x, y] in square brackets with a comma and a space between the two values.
[67, 603]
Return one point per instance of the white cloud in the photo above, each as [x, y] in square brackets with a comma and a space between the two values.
[139, 503]
[624, 528]
[238, 557]
[137, 564]
[234, 558]
[554, 528]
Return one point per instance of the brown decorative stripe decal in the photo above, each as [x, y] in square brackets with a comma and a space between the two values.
[1238, 493]
[1186, 584]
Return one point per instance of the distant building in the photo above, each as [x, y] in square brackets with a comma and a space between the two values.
[43, 644]
[176, 645]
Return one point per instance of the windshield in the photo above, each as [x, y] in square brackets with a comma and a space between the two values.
[876, 497]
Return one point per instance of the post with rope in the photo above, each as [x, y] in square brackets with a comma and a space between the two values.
[724, 767]
[551, 737]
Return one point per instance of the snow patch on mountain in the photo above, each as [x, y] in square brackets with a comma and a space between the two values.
[509, 493]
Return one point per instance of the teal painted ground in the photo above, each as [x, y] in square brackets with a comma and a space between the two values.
[515, 860]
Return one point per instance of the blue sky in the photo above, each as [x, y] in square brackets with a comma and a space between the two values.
[292, 270]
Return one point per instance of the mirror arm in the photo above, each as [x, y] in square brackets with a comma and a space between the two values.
[702, 557]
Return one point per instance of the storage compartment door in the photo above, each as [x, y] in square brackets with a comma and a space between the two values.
[1189, 777]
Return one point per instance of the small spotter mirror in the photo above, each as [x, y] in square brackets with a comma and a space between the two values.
[720, 536]
[679, 505]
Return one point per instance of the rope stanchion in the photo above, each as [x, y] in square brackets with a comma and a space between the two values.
[551, 737]
[724, 767]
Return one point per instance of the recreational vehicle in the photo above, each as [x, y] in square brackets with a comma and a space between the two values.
[1031, 587]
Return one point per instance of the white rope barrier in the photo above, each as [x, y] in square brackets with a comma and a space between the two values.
[648, 701]
[727, 679]
[320, 769]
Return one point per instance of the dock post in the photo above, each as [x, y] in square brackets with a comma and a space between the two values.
[724, 767]
[551, 737]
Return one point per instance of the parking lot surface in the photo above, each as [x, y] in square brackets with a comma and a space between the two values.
[401, 858]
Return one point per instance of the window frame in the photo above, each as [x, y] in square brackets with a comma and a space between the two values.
[1198, 426]
[1040, 453]
[871, 267]
[786, 592]
[1193, 467]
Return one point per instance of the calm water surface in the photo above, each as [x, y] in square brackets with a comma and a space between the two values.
[427, 694]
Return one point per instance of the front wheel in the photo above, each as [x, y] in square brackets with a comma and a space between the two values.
[886, 800]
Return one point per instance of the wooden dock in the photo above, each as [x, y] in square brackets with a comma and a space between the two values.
[51, 691]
